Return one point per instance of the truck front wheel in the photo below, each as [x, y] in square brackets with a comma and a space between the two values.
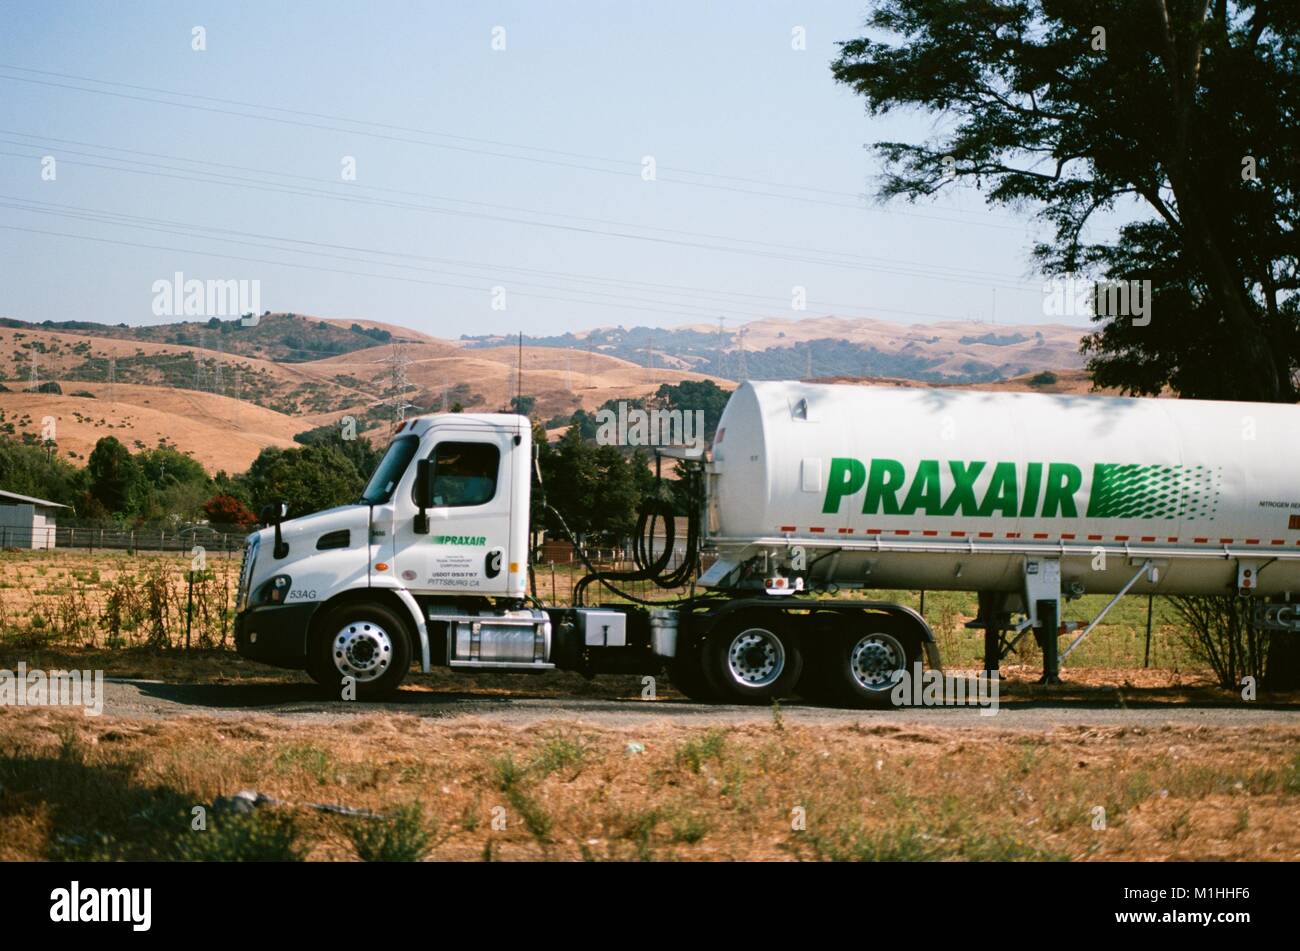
[752, 661]
[361, 646]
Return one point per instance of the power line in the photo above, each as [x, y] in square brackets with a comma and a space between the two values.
[905, 268]
[687, 310]
[312, 189]
[694, 292]
[631, 166]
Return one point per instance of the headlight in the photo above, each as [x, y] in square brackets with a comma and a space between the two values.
[273, 590]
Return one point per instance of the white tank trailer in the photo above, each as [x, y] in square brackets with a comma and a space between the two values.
[894, 487]
[1023, 498]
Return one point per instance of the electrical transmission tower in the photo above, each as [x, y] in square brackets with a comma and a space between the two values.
[198, 362]
[218, 382]
[398, 383]
[722, 344]
[112, 379]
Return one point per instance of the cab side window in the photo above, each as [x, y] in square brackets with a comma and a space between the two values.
[465, 473]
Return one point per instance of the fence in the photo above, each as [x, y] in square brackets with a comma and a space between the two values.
[227, 540]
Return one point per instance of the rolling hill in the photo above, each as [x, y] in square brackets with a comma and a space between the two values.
[222, 391]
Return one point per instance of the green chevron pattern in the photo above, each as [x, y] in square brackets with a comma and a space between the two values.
[1136, 491]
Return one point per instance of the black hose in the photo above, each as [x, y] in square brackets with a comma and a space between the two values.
[649, 567]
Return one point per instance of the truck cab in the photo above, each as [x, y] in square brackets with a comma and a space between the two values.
[442, 521]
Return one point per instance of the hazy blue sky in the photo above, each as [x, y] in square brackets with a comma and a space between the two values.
[525, 171]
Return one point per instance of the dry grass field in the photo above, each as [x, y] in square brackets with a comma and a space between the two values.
[466, 789]
[471, 787]
[60, 598]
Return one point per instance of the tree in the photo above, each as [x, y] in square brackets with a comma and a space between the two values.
[523, 405]
[360, 451]
[695, 395]
[1184, 109]
[595, 488]
[30, 470]
[227, 510]
[311, 479]
[167, 465]
[116, 483]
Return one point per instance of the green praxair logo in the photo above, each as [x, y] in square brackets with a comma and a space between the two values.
[459, 540]
[1027, 490]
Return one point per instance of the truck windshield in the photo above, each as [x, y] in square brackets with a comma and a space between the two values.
[390, 469]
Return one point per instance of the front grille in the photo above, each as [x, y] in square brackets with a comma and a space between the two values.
[246, 574]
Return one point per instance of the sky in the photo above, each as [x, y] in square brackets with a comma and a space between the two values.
[473, 168]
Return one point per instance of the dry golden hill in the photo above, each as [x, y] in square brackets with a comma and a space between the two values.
[1068, 382]
[71, 356]
[218, 431]
[561, 381]
[223, 408]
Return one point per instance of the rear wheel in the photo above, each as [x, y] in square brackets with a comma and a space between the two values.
[861, 661]
[752, 660]
[687, 674]
[364, 644]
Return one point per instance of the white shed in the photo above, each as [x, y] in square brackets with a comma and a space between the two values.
[26, 522]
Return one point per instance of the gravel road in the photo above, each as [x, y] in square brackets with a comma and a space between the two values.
[145, 699]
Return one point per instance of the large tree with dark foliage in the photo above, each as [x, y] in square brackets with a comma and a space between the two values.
[1189, 108]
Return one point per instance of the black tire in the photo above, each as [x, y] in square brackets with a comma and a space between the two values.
[855, 664]
[752, 659]
[687, 674]
[368, 641]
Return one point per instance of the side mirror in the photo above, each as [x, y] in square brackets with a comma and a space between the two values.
[273, 514]
[423, 494]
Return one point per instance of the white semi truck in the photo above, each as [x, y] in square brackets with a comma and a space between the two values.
[810, 491]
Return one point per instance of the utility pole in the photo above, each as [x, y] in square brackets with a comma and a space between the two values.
[519, 375]
[112, 380]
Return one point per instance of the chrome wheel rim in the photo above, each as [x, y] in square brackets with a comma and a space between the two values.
[875, 661]
[756, 657]
[363, 651]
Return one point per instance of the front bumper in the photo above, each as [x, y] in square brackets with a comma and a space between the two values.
[275, 634]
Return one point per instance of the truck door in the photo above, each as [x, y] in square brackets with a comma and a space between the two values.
[467, 547]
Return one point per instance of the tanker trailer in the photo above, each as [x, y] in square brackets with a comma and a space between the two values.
[1022, 497]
